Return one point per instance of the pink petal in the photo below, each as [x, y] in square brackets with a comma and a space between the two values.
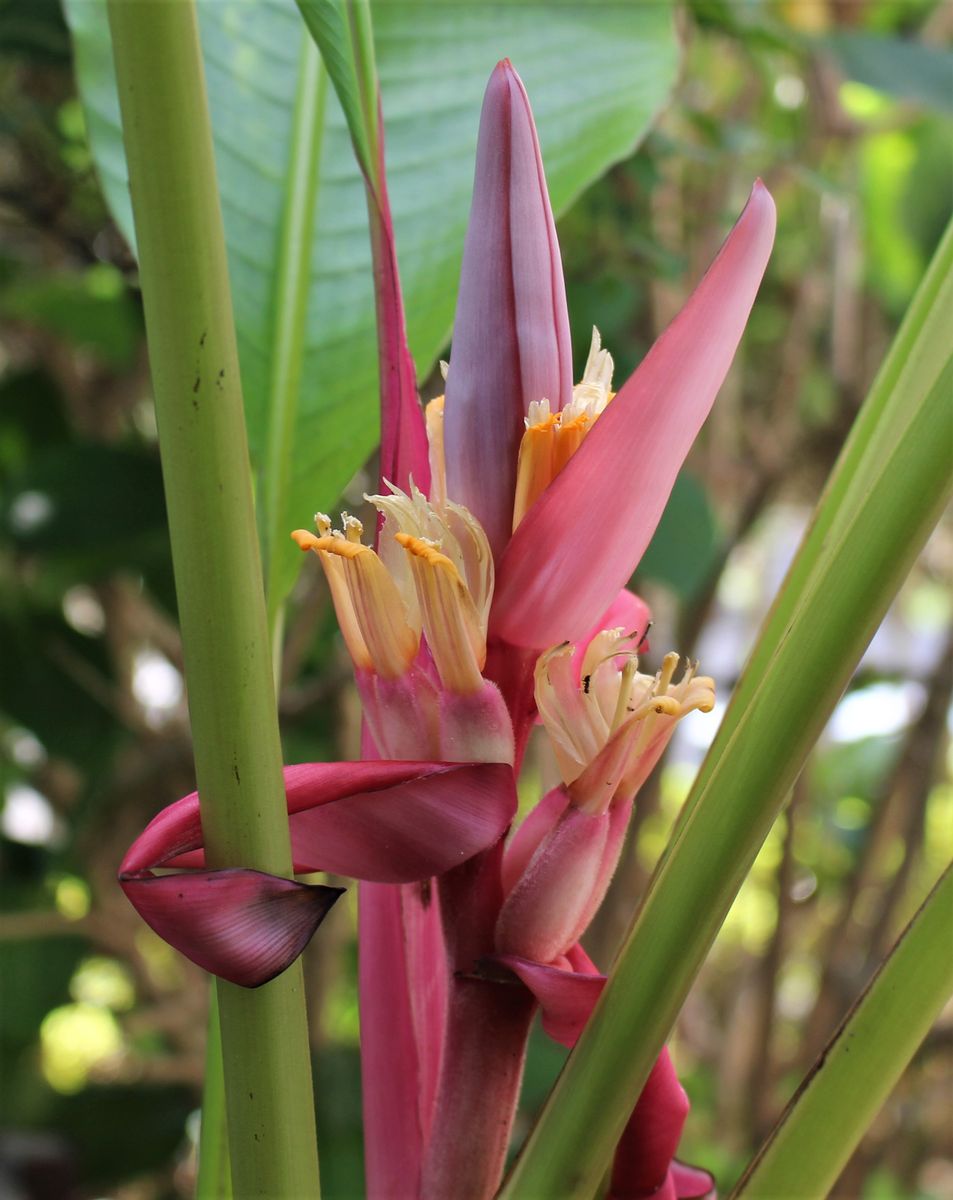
[511, 341]
[550, 904]
[402, 979]
[403, 433]
[692, 1183]
[419, 827]
[627, 611]
[580, 962]
[651, 1137]
[393, 822]
[538, 823]
[390, 1068]
[583, 538]
[244, 926]
[566, 998]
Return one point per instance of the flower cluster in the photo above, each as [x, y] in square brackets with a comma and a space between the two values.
[492, 599]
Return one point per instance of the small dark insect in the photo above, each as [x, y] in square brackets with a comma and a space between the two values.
[585, 683]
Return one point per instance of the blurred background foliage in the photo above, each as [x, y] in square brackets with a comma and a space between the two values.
[844, 107]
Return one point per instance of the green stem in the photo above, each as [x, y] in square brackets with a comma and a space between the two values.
[292, 282]
[855, 1074]
[811, 644]
[214, 1180]
[194, 362]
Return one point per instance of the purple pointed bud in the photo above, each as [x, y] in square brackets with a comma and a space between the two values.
[511, 342]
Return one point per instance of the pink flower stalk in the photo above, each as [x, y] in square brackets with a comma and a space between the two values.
[494, 597]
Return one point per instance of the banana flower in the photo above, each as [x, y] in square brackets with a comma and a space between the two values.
[493, 596]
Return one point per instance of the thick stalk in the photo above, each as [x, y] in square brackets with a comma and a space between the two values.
[484, 1046]
[194, 362]
[487, 1028]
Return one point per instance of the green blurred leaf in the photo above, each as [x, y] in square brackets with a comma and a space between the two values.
[92, 311]
[684, 548]
[35, 30]
[337, 1099]
[150, 1119]
[852, 768]
[36, 976]
[88, 509]
[54, 682]
[31, 417]
[82, 511]
[434, 61]
[903, 68]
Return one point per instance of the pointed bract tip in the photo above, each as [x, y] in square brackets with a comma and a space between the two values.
[505, 81]
[761, 197]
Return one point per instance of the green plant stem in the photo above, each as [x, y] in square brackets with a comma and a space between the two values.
[858, 1069]
[213, 1180]
[788, 691]
[197, 386]
[292, 284]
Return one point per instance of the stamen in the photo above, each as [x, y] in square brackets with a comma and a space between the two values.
[609, 724]
[433, 416]
[352, 527]
[599, 364]
[535, 471]
[551, 439]
[629, 672]
[449, 526]
[369, 609]
[539, 413]
[569, 437]
[570, 713]
[669, 666]
[450, 618]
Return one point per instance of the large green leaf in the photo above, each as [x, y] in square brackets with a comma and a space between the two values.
[596, 74]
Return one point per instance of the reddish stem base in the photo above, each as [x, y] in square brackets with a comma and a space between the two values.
[479, 1089]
